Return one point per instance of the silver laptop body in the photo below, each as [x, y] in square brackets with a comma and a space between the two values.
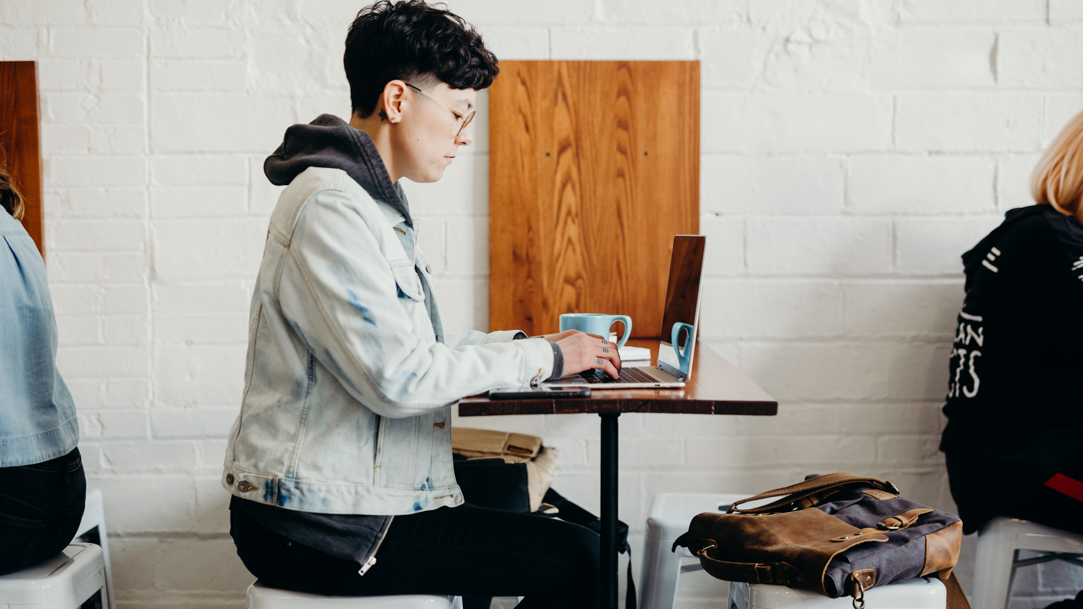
[681, 308]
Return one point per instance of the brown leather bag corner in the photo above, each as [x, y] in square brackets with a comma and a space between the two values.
[795, 540]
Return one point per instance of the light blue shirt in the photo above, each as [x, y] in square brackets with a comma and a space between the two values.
[37, 415]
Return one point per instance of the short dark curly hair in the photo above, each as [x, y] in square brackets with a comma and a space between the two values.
[416, 42]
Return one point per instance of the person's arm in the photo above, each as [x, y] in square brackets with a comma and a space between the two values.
[477, 338]
[474, 337]
[342, 298]
[587, 351]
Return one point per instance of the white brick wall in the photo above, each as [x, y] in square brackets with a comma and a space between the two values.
[851, 152]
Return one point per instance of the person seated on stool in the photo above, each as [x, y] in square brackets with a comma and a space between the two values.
[1015, 403]
[340, 460]
[42, 486]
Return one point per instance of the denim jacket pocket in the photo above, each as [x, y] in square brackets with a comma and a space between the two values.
[408, 281]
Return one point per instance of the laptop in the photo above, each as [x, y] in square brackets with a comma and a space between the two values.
[679, 323]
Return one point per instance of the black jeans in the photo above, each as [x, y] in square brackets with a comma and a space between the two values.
[40, 509]
[465, 551]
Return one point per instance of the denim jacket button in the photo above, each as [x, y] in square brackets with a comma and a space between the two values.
[229, 478]
[244, 487]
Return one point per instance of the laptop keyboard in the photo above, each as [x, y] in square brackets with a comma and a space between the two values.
[627, 375]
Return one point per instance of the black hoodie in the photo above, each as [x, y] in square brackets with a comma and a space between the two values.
[331, 142]
[1016, 372]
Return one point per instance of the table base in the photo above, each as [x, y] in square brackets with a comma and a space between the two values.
[609, 510]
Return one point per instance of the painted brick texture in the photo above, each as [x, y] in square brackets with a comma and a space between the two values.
[850, 153]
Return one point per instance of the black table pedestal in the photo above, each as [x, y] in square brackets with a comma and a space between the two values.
[609, 510]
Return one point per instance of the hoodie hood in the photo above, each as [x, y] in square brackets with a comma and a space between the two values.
[331, 142]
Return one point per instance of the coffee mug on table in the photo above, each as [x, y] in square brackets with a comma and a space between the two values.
[596, 323]
[684, 356]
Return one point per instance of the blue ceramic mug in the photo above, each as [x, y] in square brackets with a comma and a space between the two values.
[596, 323]
[684, 356]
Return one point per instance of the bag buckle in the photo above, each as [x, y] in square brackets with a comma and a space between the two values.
[779, 573]
[857, 591]
[894, 523]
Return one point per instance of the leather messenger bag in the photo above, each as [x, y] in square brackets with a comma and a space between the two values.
[837, 534]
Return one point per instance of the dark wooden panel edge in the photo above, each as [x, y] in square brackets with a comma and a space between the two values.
[20, 136]
[484, 407]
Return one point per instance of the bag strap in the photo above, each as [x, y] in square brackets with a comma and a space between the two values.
[574, 513]
[752, 572]
[796, 493]
[956, 596]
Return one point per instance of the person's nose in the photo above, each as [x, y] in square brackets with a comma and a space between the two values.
[466, 136]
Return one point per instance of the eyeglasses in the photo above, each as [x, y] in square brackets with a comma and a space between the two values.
[465, 118]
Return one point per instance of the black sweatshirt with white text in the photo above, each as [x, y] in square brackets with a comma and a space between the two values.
[1016, 369]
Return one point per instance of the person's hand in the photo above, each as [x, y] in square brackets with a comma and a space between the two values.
[556, 338]
[584, 351]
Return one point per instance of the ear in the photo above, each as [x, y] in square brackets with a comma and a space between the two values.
[392, 101]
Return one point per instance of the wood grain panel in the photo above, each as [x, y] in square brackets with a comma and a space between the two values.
[20, 139]
[594, 167]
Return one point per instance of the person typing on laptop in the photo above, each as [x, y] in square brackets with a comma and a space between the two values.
[678, 333]
[340, 461]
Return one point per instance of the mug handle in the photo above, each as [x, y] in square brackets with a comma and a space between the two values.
[627, 328]
[684, 356]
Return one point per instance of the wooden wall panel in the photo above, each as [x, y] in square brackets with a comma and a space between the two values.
[20, 139]
[594, 167]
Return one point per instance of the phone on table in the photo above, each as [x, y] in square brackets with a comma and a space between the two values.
[538, 393]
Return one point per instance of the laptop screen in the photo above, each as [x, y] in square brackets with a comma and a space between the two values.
[681, 314]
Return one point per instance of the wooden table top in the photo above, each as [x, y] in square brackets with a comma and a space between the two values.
[715, 387]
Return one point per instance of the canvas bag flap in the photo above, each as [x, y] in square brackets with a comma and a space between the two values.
[471, 443]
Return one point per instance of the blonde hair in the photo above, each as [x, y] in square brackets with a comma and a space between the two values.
[10, 198]
[1058, 178]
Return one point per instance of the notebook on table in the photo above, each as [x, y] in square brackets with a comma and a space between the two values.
[680, 320]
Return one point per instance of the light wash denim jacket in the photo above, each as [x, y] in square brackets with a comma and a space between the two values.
[348, 394]
[37, 415]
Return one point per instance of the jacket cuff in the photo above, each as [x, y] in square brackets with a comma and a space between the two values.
[538, 365]
[503, 336]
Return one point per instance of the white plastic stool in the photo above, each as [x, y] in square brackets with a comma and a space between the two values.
[65, 581]
[669, 518]
[922, 593]
[999, 541]
[262, 597]
[93, 527]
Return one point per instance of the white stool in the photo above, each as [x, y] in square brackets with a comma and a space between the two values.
[65, 581]
[999, 541]
[922, 593]
[92, 526]
[262, 597]
[669, 518]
